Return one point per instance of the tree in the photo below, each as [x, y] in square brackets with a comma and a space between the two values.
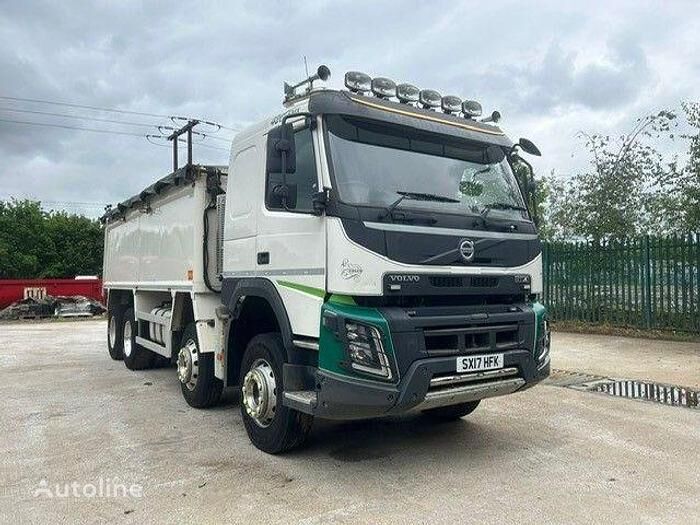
[35, 244]
[619, 194]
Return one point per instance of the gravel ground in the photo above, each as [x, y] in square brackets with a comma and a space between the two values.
[70, 415]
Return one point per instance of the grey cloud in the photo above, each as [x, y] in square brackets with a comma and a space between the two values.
[226, 61]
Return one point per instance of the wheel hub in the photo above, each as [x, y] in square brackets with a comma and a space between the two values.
[127, 338]
[259, 393]
[112, 331]
[188, 364]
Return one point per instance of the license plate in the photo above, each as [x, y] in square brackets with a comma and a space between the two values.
[478, 363]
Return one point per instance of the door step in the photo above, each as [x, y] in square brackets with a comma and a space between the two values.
[301, 400]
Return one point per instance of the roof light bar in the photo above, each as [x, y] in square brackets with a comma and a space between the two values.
[471, 109]
[451, 104]
[407, 93]
[430, 98]
[358, 82]
[383, 87]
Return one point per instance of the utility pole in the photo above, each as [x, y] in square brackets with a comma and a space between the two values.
[187, 128]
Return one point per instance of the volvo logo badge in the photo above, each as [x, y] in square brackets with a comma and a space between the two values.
[467, 250]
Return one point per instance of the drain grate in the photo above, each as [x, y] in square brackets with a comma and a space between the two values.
[671, 395]
[676, 396]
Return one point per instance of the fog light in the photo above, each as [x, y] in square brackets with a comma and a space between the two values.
[451, 104]
[358, 82]
[407, 93]
[430, 98]
[383, 87]
[471, 108]
[366, 351]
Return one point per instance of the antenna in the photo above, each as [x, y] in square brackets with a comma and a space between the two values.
[306, 67]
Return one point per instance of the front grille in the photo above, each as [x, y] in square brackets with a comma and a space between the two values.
[446, 281]
[470, 339]
[484, 282]
[453, 281]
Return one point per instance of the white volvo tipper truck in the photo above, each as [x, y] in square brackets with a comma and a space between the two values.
[367, 252]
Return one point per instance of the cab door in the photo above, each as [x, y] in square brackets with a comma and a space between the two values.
[291, 243]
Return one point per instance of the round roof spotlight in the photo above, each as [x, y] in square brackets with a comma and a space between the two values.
[407, 93]
[471, 109]
[323, 72]
[358, 82]
[383, 87]
[429, 98]
[451, 104]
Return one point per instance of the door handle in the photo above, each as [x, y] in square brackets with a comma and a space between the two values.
[263, 257]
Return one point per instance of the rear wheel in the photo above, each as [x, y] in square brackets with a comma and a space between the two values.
[452, 411]
[272, 427]
[136, 357]
[115, 334]
[200, 387]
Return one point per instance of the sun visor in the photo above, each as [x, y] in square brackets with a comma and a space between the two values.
[355, 105]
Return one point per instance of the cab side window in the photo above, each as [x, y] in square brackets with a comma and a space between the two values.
[305, 178]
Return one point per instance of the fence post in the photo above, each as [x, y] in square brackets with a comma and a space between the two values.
[647, 283]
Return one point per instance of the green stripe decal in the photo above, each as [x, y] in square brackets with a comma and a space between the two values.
[342, 299]
[309, 290]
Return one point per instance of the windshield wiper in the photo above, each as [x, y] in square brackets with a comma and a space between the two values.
[501, 206]
[414, 196]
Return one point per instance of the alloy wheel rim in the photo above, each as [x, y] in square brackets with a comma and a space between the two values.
[112, 331]
[259, 393]
[127, 338]
[188, 364]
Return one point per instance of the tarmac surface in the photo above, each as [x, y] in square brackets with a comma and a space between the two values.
[85, 440]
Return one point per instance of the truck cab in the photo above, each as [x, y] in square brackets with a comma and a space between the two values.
[374, 256]
[396, 250]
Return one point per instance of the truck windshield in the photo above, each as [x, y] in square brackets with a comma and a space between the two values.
[372, 162]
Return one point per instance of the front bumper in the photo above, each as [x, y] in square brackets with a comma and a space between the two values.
[342, 397]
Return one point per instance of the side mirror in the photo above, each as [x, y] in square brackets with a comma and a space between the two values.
[529, 147]
[280, 142]
[282, 196]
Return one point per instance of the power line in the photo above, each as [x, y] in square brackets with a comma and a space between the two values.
[64, 126]
[76, 117]
[112, 110]
[82, 106]
[95, 130]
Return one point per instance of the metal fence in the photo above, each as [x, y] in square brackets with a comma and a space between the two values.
[646, 282]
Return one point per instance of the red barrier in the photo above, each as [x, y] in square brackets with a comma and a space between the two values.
[12, 290]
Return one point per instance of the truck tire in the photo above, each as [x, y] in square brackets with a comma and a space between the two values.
[271, 426]
[452, 412]
[136, 357]
[115, 333]
[195, 371]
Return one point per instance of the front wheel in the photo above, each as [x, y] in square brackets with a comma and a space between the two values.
[272, 427]
[452, 411]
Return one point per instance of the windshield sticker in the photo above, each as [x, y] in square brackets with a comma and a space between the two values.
[350, 271]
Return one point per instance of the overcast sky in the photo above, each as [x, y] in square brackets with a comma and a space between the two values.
[550, 68]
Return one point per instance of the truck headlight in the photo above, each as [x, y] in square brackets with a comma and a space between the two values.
[365, 349]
